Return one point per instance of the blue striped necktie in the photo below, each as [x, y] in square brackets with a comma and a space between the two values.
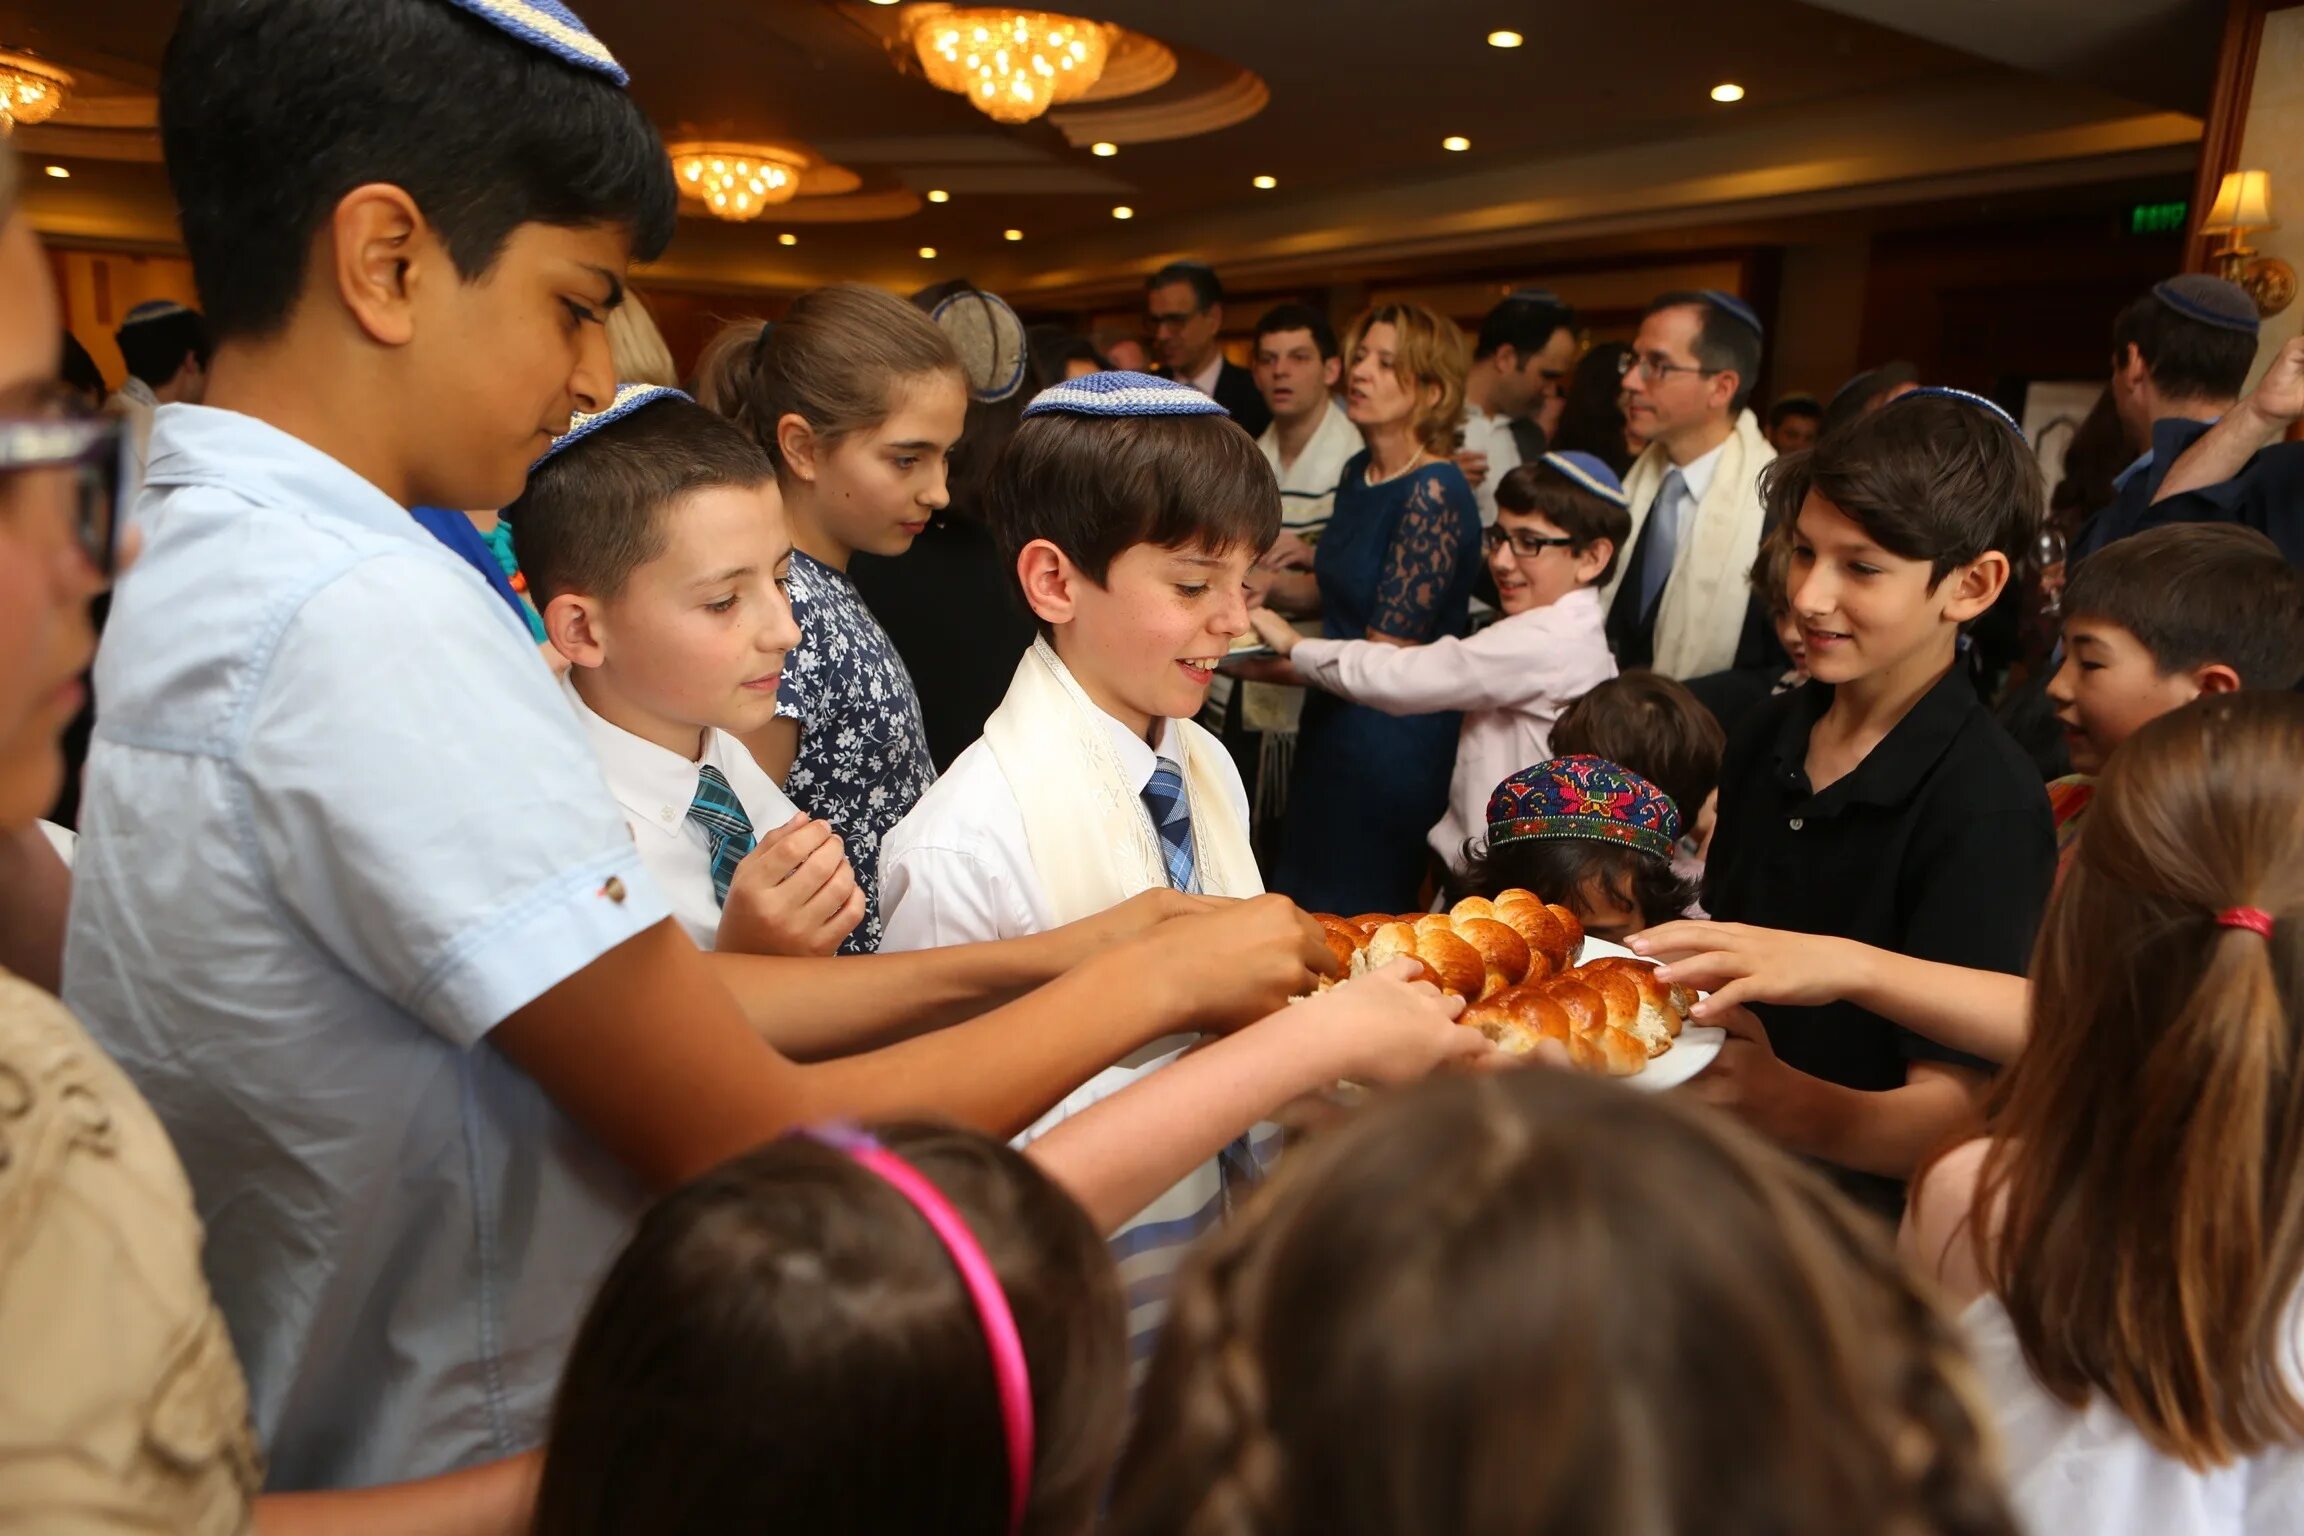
[1171, 812]
[717, 810]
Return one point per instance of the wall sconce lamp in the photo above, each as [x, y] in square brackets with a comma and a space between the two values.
[2244, 203]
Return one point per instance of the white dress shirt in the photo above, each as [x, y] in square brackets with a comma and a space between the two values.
[1512, 680]
[1205, 380]
[2090, 1469]
[135, 404]
[656, 786]
[1491, 435]
[339, 823]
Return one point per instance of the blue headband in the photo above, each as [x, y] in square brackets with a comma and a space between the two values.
[552, 27]
[1591, 474]
[629, 398]
[1118, 392]
[1944, 392]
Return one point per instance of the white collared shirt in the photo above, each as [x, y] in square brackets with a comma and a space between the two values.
[1308, 486]
[339, 823]
[1512, 680]
[1697, 474]
[1491, 435]
[656, 786]
[1205, 380]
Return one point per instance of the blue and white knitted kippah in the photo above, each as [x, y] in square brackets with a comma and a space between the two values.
[2211, 301]
[1744, 313]
[629, 398]
[551, 26]
[1590, 473]
[153, 309]
[1945, 392]
[1118, 392]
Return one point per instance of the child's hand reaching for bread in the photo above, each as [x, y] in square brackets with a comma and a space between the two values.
[794, 894]
[1737, 964]
[1274, 630]
[1389, 1026]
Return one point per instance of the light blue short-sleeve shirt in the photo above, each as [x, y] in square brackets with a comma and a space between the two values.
[338, 824]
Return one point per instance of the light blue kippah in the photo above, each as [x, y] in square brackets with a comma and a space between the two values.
[1735, 306]
[629, 398]
[1946, 392]
[153, 309]
[551, 26]
[1118, 392]
[1591, 474]
[2211, 301]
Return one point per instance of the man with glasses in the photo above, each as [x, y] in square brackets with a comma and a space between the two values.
[1184, 312]
[1683, 602]
[1520, 368]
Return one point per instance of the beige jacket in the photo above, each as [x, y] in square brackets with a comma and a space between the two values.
[122, 1407]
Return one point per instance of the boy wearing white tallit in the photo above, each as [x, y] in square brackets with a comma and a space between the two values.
[1130, 508]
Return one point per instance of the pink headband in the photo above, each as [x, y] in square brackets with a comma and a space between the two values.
[1009, 1375]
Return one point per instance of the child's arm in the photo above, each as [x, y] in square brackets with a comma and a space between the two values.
[1941, 1235]
[1984, 1013]
[494, 1499]
[1486, 671]
[815, 1007]
[1118, 1155]
[646, 1050]
[1886, 1131]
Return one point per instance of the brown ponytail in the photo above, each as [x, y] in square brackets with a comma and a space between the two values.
[1547, 1305]
[2148, 1147]
[835, 360]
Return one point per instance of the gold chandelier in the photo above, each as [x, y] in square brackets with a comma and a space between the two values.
[1012, 65]
[31, 90]
[737, 181]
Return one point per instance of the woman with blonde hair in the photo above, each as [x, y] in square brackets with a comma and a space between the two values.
[1540, 1304]
[2129, 1235]
[1396, 564]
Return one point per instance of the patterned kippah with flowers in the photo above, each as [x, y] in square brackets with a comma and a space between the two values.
[552, 27]
[629, 398]
[1118, 392]
[1589, 799]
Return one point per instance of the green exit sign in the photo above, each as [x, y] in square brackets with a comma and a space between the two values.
[2157, 218]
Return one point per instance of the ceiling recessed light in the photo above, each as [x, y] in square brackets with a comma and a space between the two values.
[1505, 38]
[1011, 234]
[1266, 183]
[1123, 212]
[886, 2]
[59, 173]
[787, 239]
[927, 253]
[1728, 92]
[1456, 142]
[1104, 147]
[939, 196]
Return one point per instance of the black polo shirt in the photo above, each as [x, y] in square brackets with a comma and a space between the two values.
[1938, 845]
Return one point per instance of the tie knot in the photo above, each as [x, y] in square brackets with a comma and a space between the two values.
[1166, 777]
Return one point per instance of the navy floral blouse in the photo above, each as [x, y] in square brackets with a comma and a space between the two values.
[863, 760]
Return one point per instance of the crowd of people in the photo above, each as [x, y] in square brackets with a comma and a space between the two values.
[603, 952]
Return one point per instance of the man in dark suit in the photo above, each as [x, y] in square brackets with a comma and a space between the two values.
[1184, 311]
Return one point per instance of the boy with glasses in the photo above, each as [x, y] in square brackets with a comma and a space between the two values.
[1559, 523]
[1680, 603]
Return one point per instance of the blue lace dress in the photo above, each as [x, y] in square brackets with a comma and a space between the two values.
[863, 760]
[1398, 558]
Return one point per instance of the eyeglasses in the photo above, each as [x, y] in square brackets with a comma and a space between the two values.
[1177, 322]
[1524, 542]
[94, 449]
[1656, 367]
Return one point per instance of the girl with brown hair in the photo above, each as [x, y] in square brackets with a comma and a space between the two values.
[2131, 1231]
[908, 1331]
[1396, 565]
[1543, 1305]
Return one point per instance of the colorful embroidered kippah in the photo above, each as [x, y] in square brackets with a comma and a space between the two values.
[1590, 473]
[990, 340]
[1744, 313]
[629, 398]
[2211, 301]
[1118, 392]
[551, 26]
[1585, 798]
[1946, 392]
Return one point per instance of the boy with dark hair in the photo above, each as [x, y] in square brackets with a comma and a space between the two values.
[1560, 522]
[1794, 423]
[2180, 355]
[1880, 801]
[1592, 835]
[2157, 620]
[1654, 726]
[342, 829]
[1514, 389]
[1296, 368]
[1131, 511]
[166, 349]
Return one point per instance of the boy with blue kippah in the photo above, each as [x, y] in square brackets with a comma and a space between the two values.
[343, 830]
[1559, 524]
